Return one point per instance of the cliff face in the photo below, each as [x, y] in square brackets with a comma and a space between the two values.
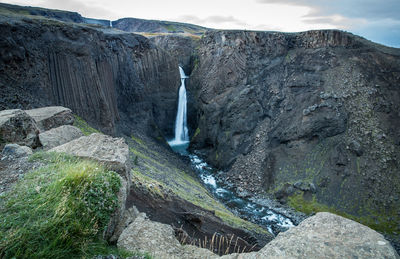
[114, 80]
[313, 114]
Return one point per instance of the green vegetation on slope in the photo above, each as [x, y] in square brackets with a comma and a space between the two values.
[160, 177]
[384, 222]
[59, 210]
[84, 126]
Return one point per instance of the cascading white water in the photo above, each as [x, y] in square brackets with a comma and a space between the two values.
[110, 23]
[181, 130]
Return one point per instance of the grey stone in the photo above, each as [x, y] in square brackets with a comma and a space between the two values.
[58, 136]
[325, 235]
[15, 150]
[16, 126]
[305, 186]
[356, 147]
[114, 154]
[51, 117]
[159, 240]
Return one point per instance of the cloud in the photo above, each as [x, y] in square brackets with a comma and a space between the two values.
[86, 9]
[376, 20]
[368, 9]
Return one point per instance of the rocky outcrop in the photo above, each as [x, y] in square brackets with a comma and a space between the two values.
[15, 150]
[157, 239]
[182, 48]
[326, 235]
[18, 127]
[317, 108]
[116, 81]
[51, 117]
[112, 153]
[58, 136]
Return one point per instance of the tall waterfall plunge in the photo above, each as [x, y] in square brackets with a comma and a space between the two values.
[181, 130]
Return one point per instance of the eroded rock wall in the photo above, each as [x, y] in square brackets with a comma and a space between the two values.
[313, 114]
[114, 80]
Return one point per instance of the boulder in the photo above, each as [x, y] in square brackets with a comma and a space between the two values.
[58, 136]
[159, 240]
[51, 117]
[16, 151]
[325, 235]
[112, 153]
[16, 126]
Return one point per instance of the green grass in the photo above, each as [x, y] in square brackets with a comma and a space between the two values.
[84, 126]
[386, 222]
[159, 182]
[196, 133]
[59, 210]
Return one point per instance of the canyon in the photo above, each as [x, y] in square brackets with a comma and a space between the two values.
[307, 119]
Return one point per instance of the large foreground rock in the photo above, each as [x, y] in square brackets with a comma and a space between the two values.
[159, 240]
[18, 127]
[51, 117]
[326, 235]
[58, 136]
[114, 154]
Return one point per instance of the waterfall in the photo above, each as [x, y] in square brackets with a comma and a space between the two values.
[110, 23]
[181, 130]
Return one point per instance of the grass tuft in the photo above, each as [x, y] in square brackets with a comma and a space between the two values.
[84, 126]
[59, 210]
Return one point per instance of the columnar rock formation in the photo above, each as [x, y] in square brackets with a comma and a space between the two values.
[112, 79]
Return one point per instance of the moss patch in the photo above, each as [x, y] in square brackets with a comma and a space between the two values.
[161, 177]
[84, 126]
[196, 133]
[59, 210]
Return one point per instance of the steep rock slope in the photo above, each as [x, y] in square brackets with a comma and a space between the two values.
[311, 115]
[114, 80]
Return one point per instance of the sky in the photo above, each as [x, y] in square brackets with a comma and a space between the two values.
[376, 20]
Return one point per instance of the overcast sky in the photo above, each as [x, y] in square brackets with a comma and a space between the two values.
[377, 20]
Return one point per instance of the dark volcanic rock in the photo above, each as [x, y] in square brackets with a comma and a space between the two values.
[315, 111]
[112, 79]
[182, 48]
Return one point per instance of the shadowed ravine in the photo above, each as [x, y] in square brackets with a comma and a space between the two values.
[244, 208]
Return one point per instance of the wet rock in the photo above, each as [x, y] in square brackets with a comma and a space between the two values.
[58, 136]
[51, 117]
[114, 154]
[16, 126]
[16, 151]
[326, 235]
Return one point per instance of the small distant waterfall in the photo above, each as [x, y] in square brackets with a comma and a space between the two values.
[181, 130]
[110, 23]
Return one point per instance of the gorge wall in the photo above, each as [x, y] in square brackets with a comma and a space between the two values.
[308, 117]
[311, 117]
[116, 81]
